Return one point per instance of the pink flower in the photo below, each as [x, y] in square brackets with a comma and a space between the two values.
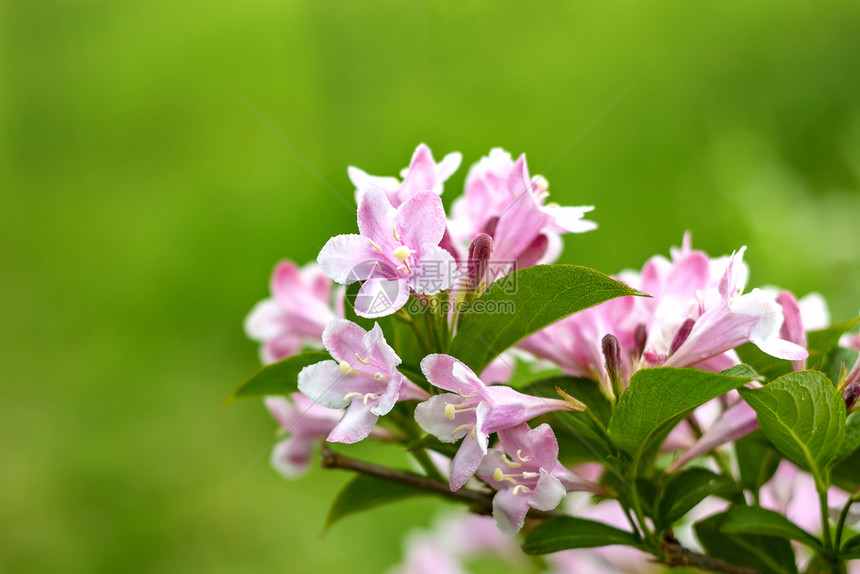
[472, 411]
[397, 251]
[502, 200]
[301, 305]
[527, 474]
[734, 320]
[363, 378]
[423, 174]
[307, 423]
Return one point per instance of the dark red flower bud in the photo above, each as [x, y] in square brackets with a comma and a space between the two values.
[480, 251]
[681, 335]
[612, 361]
[851, 394]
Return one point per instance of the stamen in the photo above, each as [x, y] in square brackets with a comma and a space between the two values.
[521, 457]
[377, 376]
[402, 253]
[500, 476]
[374, 245]
[526, 474]
[450, 413]
[510, 463]
[541, 182]
[360, 360]
[520, 488]
[404, 172]
[465, 426]
[405, 268]
[346, 368]
[370, 396]
[350, 395]
[396, 237]
[469, 396]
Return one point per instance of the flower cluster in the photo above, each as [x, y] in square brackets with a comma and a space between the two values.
[504, 433]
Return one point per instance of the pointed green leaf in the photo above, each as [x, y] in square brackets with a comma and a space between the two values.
[764, 553]
[851, 440]
[279, 378]
[823, 343]
[851, 548]
[565, 532]
[758, 520]
[524, 302]
[658, 399]
[683, 491]
[757, 460]
[803, 416]
[365, 492]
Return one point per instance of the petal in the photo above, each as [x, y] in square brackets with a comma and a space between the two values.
[737, 421]
[388, 399]
[376, 217]
[363, 181]
[439, 370]
[343, 339]
[286, 281]
[510, 511]
[540, 443]
[446, 168]
[292, 457]
[381, 297]
[375, 342]
[356, 424]
[264, 322]
[281, 410]
[548, 493]
[570, 219]
[347, 258]
[465, 463]
[434, 271]
[421, 219]
[430, 416]
[325, 384]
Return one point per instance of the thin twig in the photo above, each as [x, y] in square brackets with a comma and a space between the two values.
[481, 503]
[677, 555]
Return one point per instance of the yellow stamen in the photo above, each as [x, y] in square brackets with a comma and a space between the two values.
[374, 245]
[345, 368]
[402, 253]
[360, 360]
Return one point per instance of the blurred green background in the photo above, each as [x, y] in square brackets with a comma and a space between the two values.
[143, 207]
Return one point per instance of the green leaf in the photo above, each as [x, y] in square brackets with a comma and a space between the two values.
[683, 491]
[823, 343]
[758, 520]
[745, 371]
[846, 473]
[365, 492]
[764, 553]
[565, 532]
[803, 416]
[279, 378]
[524, 302]
[851, 440]
[851, 548]
[757, 460]
[658, 399]
[841, 356]
[764, 364]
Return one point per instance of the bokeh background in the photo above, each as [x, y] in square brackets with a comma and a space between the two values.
[142, 207]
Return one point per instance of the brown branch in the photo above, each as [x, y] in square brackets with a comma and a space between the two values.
[677, 555]
[480, 502]
[673, 554]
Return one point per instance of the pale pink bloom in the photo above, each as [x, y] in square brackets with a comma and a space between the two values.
[423, 174]
[526, 474]
[736, 422]
[472, 411]
[307, 423]
[792, 325]
[301, 305]
[396, 252]
[735, 319]
[363, 378]
[502, 200]
[850, 341]
[454, 538]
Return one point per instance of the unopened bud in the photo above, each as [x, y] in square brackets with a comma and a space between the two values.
[480, 251]
[612, 361]
[681, 335]
[640, 337]
[850, 395]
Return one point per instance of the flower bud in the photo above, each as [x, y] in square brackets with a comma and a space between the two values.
[640, 337]
[851, 394]
[480, 251]
[612, 361]
[681, 335]
[792, 325]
